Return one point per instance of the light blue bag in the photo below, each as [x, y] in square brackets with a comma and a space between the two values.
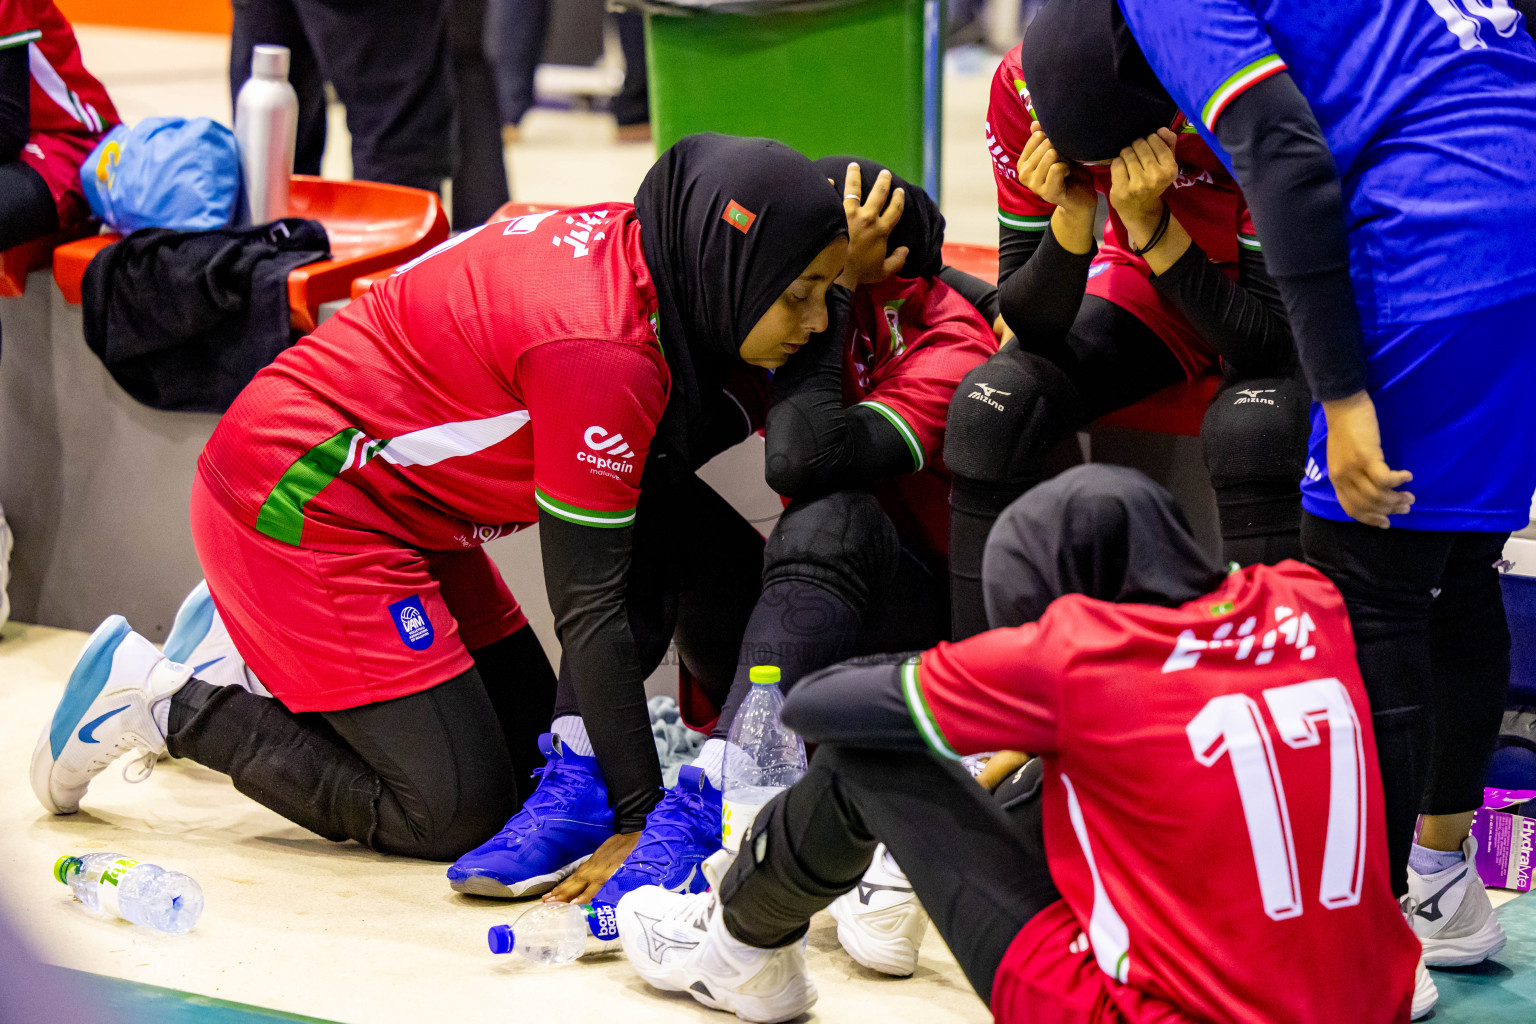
[164, 172]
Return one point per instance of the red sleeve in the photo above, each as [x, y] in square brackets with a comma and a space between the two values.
[17, 27]
[1008, 119]
[999, 690]
[913, 390]
[590, 438]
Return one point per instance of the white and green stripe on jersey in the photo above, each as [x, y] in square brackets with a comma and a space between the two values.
[1235, 83]
[22, 38]
[922, 715]
[903, 428]
[281, 516]
[1022, 222]
[1250, 242]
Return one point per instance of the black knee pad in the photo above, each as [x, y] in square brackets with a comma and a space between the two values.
[1255, 440]
[1007, 415]
[843, 541]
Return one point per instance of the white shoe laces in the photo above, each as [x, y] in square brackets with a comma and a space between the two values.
[145, 763]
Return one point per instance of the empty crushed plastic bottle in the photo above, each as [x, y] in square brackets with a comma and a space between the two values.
[763, 757]
[149, 896]
[555, 934]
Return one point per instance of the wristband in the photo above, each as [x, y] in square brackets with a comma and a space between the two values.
[1157, 236]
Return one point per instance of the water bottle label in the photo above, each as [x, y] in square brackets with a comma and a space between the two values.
[603, 919]
[735, 822]
[107, 890]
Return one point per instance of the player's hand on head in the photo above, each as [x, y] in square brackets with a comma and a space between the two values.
[871, 219]
[1368, 489]
[1056, 181]
[583, 883]
[1139, 176]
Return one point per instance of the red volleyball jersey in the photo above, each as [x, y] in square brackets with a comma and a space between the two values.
[913, 340]
[515, 368]
[65, 96]
[1212, 802]
[1204, 198]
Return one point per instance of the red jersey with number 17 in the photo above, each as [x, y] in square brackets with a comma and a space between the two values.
[514, 369]
[1212, 803]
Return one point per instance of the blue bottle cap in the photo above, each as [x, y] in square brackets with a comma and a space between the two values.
[500, 938]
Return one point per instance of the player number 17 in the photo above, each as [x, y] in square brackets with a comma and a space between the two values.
[1233, 726]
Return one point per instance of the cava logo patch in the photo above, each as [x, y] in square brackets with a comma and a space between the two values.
[411, 622]
[738, 216]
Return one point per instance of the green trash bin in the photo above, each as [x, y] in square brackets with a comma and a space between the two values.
[825, 76]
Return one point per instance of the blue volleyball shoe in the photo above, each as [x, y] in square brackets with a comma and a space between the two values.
[561, 824]
[680, 833]
[106, 710]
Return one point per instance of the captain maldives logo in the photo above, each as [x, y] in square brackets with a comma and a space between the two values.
[412, 623]
[738, 216]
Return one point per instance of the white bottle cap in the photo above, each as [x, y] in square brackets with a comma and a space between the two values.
[270, 62]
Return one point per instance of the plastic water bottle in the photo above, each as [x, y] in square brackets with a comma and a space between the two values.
[767, 758]
[267, 130]
[556, 934]
[149, 896]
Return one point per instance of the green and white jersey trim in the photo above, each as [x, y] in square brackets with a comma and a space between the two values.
[1239, 80]
[922, 717]
[22, 38]
[1249, 242]
[907, 433]
[1019, 222]
[1110, 938]
[281, 516]
[583, 516]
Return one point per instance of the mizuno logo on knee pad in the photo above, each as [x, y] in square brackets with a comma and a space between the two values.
[984, 393]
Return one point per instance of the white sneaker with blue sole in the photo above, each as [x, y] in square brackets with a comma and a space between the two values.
[105, 712]
[198, 638]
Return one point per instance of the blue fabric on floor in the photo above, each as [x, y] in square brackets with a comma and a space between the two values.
[676, 744]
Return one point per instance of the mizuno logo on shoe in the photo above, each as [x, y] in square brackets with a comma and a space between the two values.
[687, 881]
[207, 664]
[87, 732]
[1429, 909]
[868, 889]
[658, 946]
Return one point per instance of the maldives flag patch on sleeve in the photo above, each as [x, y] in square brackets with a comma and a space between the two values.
[738, 217]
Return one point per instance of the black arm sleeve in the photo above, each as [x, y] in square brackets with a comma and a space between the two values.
[1039, 286]
[857, 705]
[976, 291]
[586, 574]
[1292, 186]
[15, 102]
[813, 444]
[1243, 320]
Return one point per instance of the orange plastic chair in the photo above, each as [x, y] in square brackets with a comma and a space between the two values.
[372, 226]
[20, 260]
[1177, 409]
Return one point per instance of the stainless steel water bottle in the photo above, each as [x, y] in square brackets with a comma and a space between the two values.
[266, 128]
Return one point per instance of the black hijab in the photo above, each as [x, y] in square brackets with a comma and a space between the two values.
[1089, 83]
[1105, 531]
[727, 224]
[921, 228]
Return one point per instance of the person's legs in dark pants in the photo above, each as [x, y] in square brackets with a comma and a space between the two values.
[276, 22]
[388, 62]
[425, 775]
[981, 876]
[514, 41]
[27, 209]
[521, 687]
[1009, 414]
[479, 174]
[824, 564]
[1469, 654]
[1254, 436]
[1387, 579]
[632, 106]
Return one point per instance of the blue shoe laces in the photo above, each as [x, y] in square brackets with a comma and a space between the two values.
[556, 791]
[674, 820]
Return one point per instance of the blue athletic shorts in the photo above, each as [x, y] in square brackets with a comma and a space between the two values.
[1454, 399]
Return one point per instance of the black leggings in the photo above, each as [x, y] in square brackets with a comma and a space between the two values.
[980, 871]
[1428, 618]
[837, 583]
[430, 775]
[27, 210]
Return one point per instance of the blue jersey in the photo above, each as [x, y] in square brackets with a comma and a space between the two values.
[1429, 108]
